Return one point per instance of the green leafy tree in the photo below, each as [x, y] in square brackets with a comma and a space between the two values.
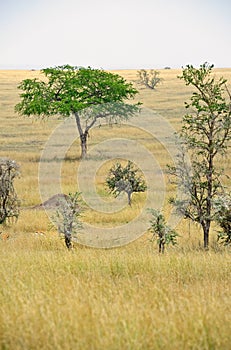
[126, 179]
[149, 79]
[9, 202]
[205, 136]
[163, 233]
[88, 94]
[67, 217]
[222, 207]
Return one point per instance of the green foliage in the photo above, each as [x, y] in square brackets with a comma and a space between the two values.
[125, 179]
[67, 217]
[222, 207]
[149, 79]
[207, 129]
[88, 94]
[9, 202]
[204, 137]
[67, 90]
[161, 231]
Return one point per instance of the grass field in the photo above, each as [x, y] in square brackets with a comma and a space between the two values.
[123, 298]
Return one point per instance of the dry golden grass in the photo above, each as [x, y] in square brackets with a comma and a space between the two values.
[123, 298]
[126, 298]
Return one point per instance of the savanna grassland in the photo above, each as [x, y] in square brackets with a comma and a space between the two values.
[128, 297]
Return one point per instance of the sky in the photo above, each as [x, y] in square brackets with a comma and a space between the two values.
[114, 34]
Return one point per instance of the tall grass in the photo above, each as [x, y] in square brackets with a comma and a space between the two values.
[125, 298]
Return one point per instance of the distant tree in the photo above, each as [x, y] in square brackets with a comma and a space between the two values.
[67, 217]
[149, 79]
[222, 207]
[205, 134]
[88, 94]
[126, 179]
[9, 202]
[163, 233]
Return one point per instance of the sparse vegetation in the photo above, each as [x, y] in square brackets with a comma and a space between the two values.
[129, 297]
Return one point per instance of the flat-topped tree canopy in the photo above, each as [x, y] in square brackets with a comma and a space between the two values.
[88, 94]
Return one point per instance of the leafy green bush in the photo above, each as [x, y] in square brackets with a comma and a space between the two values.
[126, 179]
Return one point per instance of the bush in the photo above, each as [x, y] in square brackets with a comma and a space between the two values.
[161, 231]
[9, 202]
[149, 79]
[67, 217]
[126, 179]
[223, 217]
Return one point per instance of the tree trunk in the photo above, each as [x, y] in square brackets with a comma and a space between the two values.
[68, 241]
[83, 139]
[83, 136]
[161, 246]
[207, 223]
[130, 198]
[206, 229]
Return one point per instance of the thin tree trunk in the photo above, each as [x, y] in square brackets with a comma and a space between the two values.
[83, 136]
[68, 234]
[207, 222]
[161, 247]
[68, 241]
[83, 139]
[206, 229]
[206, 239]
[129, 198]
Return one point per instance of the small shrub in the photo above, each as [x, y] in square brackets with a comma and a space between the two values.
[67, 217]
[149, 79]
[161, 231]
[125, 179]
[223, 217]
[9, 202]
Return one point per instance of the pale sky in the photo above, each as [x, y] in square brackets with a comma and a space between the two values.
[114, 34]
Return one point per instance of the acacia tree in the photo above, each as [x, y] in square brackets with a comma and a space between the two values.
[9, 202]
[149, 79]
[88, 94]
[205, 133]
[125, 179]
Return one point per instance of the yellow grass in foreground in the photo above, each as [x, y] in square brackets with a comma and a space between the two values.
[125, 298]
